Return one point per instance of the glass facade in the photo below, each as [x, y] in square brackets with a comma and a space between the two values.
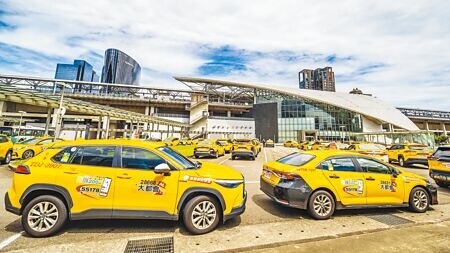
[299, 118]
[120, 68]
[78, 71]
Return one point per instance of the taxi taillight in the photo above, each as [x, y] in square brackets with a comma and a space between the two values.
[22, 169]
[287, 175]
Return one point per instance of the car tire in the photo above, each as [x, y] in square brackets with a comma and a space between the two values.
[252, 158]
[419, 200]
[201, 215]
[196, 156]
[27, 154]
[401, 161]
[442, 184]
[44, 205]
[321, 205]
[7, 157]
[233, 157]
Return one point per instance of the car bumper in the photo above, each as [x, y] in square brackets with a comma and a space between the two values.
[438, 175]
[204, 153]
[9, 207]
[433, 193]
[239, 153]
[237, 210]
[294, 193]
[423, 161]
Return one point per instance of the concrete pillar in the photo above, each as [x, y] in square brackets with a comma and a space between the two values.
[229, 114]
[426, 126]
[48, 120]
[105, 126]
[444, 130]
[147, 112]
[99, 127]
[391, 129]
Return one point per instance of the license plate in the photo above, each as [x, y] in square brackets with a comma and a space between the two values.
[271, 177]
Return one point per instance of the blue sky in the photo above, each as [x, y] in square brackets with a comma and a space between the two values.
[392, 49]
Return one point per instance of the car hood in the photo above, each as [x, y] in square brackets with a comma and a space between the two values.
[217, 171]
[411, 175]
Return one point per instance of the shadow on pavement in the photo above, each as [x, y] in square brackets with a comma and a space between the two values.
[278, 210]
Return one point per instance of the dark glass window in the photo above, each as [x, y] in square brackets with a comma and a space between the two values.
[3, 139]
[373, 166]
[96, 156]
[65, 155]
[340, 164]
[138, 158]
[296, 159]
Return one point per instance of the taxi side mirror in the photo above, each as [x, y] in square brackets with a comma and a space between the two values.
[162, 168]
[197, 164]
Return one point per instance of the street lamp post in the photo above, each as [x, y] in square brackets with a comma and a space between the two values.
[61, 110]
[20, 121]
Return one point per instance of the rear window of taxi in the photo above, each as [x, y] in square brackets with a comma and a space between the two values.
[296, 159]
[442, 153]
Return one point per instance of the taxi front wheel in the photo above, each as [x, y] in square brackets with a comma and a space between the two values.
[321, 205]
[201, 215]
[419, 200]
[44, 216]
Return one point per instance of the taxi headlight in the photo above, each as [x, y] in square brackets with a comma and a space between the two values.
[229, 183]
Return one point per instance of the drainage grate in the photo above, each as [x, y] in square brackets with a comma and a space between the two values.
[390, 219]
[155, 245]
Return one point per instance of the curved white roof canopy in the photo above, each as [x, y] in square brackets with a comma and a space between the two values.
[366, 105]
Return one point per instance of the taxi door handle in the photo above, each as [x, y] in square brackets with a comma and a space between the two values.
[72, 172]
[124, 176]
[370, 179]
[334, 176]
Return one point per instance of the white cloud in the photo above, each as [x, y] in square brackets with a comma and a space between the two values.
[409, 39]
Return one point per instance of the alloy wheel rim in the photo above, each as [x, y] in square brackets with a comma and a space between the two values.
[8, 157]
[322, 205]
[27, 154]
[420, 199]
[203, 215]
[43, 216]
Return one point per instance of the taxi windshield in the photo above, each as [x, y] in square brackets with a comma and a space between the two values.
[186, 163]
[206, 143]
[243, 142]
[30, 141]
[370, 147]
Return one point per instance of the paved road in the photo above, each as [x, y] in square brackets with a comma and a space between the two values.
[260, 210]
[425, 238]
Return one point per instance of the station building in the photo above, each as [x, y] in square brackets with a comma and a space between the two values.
[207, 107]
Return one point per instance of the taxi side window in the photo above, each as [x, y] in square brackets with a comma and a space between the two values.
[339, 164]
[95, 156]
[373, 166]
[137, 158]
[3, 139]
[351, 147]
[65, 155]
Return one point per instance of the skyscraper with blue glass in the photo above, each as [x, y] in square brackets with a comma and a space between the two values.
[78, 71]
[120, 68]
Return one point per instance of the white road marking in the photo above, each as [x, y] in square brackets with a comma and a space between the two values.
[252, 182]
[224, 160]
[265, 155]
[10, 240]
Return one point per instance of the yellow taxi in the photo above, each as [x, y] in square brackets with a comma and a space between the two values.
[305, 145]
[327, 180]
[258, 144]
[185, 141]
[31, 147]
[320, 145]
[270, 143]
[122, 179]
[227, 144]
[290, 144]
[375, 150]
[172, 141]
[439, 166]
[208, 148]
[337, 145]
[6, 149]
[406, 154]
[247, 148]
